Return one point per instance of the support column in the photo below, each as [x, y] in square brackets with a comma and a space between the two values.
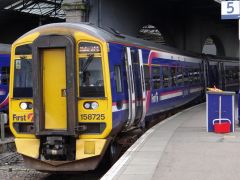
[76, 10]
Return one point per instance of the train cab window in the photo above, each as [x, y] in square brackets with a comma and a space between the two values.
[91, 83]
[24, 49]
[91, 77]
[173, 78]
[165, 76]
[147, 77]
[180, 76]
[156, 77]
[4, 75]
[118, 78]
[22, 87]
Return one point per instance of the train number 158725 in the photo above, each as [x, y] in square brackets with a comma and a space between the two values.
[92, 117]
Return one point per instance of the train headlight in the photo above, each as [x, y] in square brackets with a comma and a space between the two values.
[87, 105]
[94, 105]
[23, 106]
[30, 105]
[26, 105]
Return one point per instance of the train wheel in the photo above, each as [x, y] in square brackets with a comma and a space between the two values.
[114, 152]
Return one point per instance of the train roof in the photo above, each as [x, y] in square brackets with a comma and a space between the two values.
[110, 35]
[5, 48]
[222, 58]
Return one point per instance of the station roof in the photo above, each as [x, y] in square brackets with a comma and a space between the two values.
[51, 8]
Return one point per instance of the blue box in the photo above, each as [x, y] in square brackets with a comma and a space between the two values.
[239, 108]
[220, 105]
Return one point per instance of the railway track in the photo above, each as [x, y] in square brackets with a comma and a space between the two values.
[10, 158]
[12, 167]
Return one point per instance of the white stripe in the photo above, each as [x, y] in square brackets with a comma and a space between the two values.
[119, 164]
[115, 109]
[114, 170]
[176, 57]
[193, 90]
[172, 95]
[125, 106]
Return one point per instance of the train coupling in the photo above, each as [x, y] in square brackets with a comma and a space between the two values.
[54, 146]
[81, 128]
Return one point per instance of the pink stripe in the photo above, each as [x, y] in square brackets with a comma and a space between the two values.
[150, 58]
[5, 102]
[148, 100]
[170, 92]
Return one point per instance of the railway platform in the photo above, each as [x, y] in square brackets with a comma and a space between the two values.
[181, 148]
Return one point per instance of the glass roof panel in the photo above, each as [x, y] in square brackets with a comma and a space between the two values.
[50, 8]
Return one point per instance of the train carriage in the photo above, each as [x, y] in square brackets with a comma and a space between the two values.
[74, 87]
[223, 72]
[4, 76]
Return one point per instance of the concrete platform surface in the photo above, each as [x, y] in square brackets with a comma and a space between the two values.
[180, 148]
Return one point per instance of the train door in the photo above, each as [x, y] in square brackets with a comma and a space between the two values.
[136, 86]
[54, 88]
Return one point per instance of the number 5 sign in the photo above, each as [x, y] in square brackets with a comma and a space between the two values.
[230, 9]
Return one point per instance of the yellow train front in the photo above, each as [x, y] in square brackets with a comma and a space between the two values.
[56, 127]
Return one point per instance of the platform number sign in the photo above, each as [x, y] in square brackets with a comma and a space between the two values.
[230, 9]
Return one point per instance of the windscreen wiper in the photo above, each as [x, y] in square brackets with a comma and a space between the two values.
[86, 64]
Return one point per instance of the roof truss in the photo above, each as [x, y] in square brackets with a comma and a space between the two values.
[51, 8]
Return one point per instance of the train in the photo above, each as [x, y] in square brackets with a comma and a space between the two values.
[75, 87]
[5, 50]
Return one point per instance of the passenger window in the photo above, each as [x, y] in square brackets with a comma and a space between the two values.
[165, 77]
[198, 76]
[147, 76]
[118, 78]
[180, 76]
[173, 76]
[5, 75]
[195, 76]
[190, 72]
[185, 76]
[231, 74]
[156, 77]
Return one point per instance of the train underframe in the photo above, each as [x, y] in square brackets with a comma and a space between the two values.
[62, 154]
